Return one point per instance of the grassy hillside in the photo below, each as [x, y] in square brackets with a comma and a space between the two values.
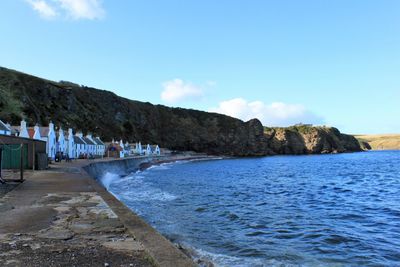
[381, 141]
[105, 114]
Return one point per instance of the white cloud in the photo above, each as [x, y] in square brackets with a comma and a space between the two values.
[83, 9]
[274, 114]
[75, 9]
[43, 8]
[177, 90]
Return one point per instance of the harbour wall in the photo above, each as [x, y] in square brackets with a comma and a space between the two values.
[161, 250]
[119, 166]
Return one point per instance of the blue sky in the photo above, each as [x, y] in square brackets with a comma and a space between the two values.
[323, 62]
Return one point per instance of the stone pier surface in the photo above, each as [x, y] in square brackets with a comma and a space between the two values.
[63, 217]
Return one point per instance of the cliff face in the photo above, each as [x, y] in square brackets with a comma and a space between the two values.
[310, 140]
[111, 116]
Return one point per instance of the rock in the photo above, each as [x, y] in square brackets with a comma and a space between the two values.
[56, 233]
[125, 245]
[79, 227]
[310, 140]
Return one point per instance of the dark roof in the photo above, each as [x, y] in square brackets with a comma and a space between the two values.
[98, 141]
[88, 141]
[3, 127]
[78, 140]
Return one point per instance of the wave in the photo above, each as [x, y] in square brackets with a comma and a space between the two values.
[166, 165]
[205, 259]
[148, 194]
[109, 178]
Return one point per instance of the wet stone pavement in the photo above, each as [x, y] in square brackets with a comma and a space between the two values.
[58, 225]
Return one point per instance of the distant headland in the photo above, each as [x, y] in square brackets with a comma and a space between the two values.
[380, 141]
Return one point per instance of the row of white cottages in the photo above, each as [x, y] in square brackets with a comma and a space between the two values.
[75, 146]
[67, 143]
[137, 149]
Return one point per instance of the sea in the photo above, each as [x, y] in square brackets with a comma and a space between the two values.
[313, 210]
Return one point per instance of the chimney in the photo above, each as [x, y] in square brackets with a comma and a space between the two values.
[36, 134]
[51, 126]
[23, 131]
[70, 132]
[23, 125]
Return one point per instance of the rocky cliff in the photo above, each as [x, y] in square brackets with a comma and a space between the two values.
[110, 116]
[309, 140]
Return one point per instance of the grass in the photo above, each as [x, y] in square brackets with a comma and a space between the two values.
[303, 129]
[381, 141]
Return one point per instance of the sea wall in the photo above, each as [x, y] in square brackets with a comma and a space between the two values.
[161, 250]
[121, 167]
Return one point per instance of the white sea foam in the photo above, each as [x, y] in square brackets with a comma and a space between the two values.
[147, 194]
[108, 178]
[164, 166]
[220, 260]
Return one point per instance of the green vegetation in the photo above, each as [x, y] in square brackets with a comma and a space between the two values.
[300, 128]
[10, 108]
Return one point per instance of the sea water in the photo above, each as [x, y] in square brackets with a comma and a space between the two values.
[320, 210]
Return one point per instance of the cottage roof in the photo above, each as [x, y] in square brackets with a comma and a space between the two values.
[4, 127]
[78, 140]
[88, 141]
[154, 147]
[98, 141]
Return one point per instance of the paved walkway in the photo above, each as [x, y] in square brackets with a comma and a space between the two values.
[58, 218]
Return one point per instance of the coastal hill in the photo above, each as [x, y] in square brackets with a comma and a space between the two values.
[381, 141]
[110, 116]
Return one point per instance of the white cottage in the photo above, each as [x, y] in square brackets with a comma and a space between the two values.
[61, 142]
[90, 145]
[138, 149]
[100, 146]
[48, 135]
[5, 128]
[23, 130]
[156, 150]
[36, 133]
[148, 151]
[51, 141]
[70, 145]
[80, 146]
[127, 148]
